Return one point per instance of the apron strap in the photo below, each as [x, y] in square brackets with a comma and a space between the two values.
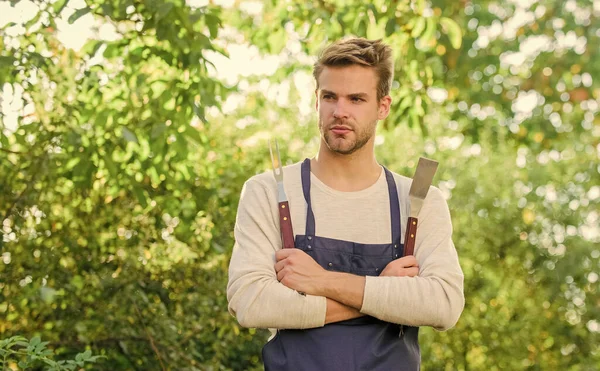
[395, 216]
[310, 217]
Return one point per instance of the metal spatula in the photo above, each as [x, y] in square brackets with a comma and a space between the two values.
[426, 169]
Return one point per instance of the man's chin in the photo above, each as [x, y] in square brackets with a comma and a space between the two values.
[341, 148]
[345, 152]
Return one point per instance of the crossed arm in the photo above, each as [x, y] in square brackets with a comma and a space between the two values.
[344, 292]
[257, 298]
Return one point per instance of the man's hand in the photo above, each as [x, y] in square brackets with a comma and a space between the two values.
[297, 270]
[406, 266]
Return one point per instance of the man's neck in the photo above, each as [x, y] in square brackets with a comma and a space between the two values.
[346, 173]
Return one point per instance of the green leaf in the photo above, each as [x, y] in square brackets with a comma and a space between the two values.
[50, 363]
[91, 47]
[40, 347]
[419, 27]
[110, 165]
[414, 118]
[213, 23]
[429, 32]
[163, 10]
[362, 28]
[112, 50]
[4, 141]
[452, 29]
[199, 111]
[129, 135]
[33, 20]
[107, 8]
[141, 197]
[86, 355]
[95, 358]
[78, 14]
[423, 127]
[193, 134]
[418, 106]
[77, 282]
[437, 66]
[195, 17]
[7, 61]
[47, 294]
[390, 26]
[35, 341]
[277, 41]
[429, 74]
[373, 8]
[59, 6]
[406, 102]
[72, 162]
[157, 130]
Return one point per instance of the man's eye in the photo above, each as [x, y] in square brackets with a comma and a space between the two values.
[356, 99]
[327, 96]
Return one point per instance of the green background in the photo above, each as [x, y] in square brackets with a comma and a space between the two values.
[119, 182]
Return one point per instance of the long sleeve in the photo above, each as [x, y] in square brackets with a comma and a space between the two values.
[433, 298]
[255, 296]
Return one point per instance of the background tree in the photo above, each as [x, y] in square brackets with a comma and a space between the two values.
[121, 165]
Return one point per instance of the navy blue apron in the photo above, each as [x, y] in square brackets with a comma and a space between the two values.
[364, 343]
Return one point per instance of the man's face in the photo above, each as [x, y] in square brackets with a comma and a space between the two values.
[348, 107]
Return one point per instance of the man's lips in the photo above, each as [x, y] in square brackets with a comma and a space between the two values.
[341, 129]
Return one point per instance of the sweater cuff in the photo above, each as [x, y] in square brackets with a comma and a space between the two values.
[315, 311]
[370, 297]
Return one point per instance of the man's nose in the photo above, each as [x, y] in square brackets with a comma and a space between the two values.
[340, 111]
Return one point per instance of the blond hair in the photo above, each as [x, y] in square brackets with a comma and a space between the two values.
[363, 52]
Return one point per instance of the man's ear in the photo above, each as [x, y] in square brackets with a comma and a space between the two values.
[384, 107]
[317, 99]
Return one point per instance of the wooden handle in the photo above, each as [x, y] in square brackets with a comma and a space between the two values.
[285, 222]
[410, 236]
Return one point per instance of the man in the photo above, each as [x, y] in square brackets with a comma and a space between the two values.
[344, 298]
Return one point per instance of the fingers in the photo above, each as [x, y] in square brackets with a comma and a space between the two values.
[280, 265]
[283, 253]
[280, 275]
[284, 257]
[410, 272]
[286, 253]
[400, 272]
[407, 261]
[280, 269]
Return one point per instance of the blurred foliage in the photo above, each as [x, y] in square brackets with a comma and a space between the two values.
[120, 180]
[18, 351]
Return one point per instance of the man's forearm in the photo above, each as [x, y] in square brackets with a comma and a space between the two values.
[344, 288]
[337, 312]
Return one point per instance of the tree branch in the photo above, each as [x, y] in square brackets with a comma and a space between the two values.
[149, 336]
[13, 152]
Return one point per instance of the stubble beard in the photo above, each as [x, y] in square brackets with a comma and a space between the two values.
[344, 146]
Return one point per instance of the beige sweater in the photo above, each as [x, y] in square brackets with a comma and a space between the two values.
[433, 298]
